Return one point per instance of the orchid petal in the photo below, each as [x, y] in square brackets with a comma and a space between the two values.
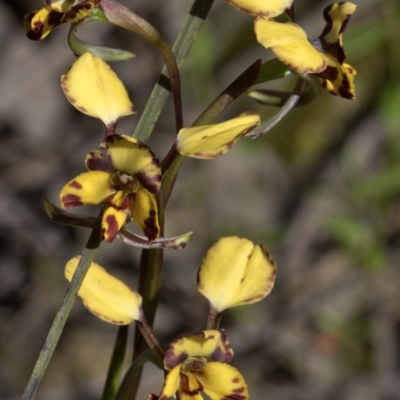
[339, 80]
[115, 216]
[97, 161]
[171, 383]
[39, 23]
[211, 344]
[60, 6]
[106, 296]
[93, 88]
[135, 158]
[337, 16]
[211, 141]
[144, 212]
[290, 45]
[91, 187]
[266, 8]
[223, 382]
[235, 272]
[78, 11]
[190, 387]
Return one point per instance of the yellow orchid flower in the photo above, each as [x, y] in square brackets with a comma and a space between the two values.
[197, 363]
[105, 296]
[125, 178]
[39, 23]
[93, 88]
[266, 8]
[211, 141]
[324, 56]
[235, 272]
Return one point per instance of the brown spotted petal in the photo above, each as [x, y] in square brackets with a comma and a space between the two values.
[337, 16]
[115, 216]
[91, 187]
[39, 23]
[223, 382]
[143, 208]
[97, 161]
[235, 272]
[339, 80]
[136, 159]
[290, 44]
[211, 345]
[79, 11]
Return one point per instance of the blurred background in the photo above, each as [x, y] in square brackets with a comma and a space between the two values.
[320, 191]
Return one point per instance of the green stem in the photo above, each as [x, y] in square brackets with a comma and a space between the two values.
[127, 390]
[61, 317]
[286, 108]
[114, 371]
[149, 287]
[152, 342]
[152, 260]
[194, 22]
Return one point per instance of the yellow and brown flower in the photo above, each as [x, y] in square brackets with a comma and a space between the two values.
[198, 363]
[39, 23]
[323, 56]
[125, 177]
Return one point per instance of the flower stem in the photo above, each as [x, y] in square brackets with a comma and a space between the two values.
[214, 318]
[290, 103]
[150, 338]
[194, 22]
[114, 372]
[61, 317]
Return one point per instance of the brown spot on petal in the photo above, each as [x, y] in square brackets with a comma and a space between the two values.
[151, 183]
[112, 227]
[171, 360]
[71, 99]
[234, 396]
[267, 255]
[75, 185]
[150, 228]
[96, 163]
[185, 386]
[80, 108]
[236, 380]
[334, 49]
[55, 18]
[224, 355]
[71, 200]
[238, 390]
[73, 12]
